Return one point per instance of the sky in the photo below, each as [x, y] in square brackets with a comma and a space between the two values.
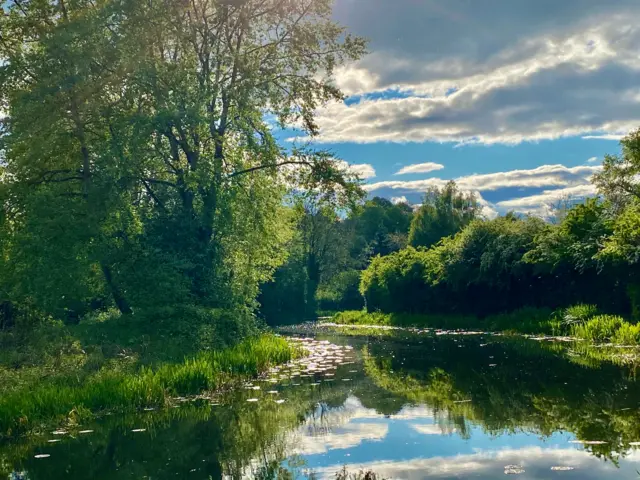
[517, 100]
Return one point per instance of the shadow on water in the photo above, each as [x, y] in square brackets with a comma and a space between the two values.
[406, 406]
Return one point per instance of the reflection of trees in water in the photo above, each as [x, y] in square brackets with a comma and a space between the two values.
[531, 388]
[513, 387]
[324, 419]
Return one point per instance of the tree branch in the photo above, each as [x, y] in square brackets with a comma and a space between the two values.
[270, 165]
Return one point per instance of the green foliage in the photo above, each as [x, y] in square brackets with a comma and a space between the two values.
[617, 180]
[341, 292]
[627, 334]
[380, 228]
[137, 177]
[110, 389]
[579, 313]
[524, 320]
[402, 281]
[483, 263]
[601, 328]
[444, 212]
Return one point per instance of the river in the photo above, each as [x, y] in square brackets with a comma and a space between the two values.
[405, 405]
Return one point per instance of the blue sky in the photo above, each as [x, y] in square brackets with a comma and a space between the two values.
[518, 100]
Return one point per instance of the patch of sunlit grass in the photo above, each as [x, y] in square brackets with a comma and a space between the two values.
[114, 390]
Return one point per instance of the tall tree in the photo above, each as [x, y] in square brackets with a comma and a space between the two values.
[618, 180]
[136, 136]
[444, 212]
[381, 228]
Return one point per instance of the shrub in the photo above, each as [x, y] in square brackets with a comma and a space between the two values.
[600, 328]
[580, 313]
[401, 282]
[627, 334]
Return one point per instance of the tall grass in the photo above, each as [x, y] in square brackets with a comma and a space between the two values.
[114, 390]
[601, 328]
[579, 313]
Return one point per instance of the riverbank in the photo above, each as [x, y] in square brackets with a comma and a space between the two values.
[580, 322]
[59, 374]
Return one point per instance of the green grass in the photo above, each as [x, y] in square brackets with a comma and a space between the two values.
[601, 328]
[579, 313]
[580, 321]
[627, 334]
[525, 320]
[51, 402]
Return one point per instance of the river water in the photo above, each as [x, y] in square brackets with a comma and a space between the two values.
[405, 405]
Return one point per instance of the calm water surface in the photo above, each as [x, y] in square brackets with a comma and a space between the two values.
[407, 406]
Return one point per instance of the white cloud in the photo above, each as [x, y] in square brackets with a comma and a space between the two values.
[401, 199]
[503, 72]
[543, 176]
[363, 170]
[618, 136]
[420, 168]
[542, 204]
[593, 160]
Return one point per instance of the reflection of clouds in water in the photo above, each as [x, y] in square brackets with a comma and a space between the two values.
[486, 465]
[332, 428]
[431, 429]
[347, 436]
[410, 413]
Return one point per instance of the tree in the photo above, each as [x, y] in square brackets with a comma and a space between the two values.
[443, 213]
[618, 179]
[137, 146]
[381, 228]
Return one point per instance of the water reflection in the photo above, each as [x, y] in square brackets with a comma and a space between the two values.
[418, 406]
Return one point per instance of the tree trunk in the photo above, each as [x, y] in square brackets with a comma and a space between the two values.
[118, 298]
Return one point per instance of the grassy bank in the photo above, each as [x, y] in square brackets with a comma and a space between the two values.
[61, 373]
[526, 320]
[580, 321]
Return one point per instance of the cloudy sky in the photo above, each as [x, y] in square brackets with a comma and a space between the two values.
[517, 99]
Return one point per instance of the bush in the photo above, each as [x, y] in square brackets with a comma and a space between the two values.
[580, 313]
[401, 282]
[601, 328]
[627, 334]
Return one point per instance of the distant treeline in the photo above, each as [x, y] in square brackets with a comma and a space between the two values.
[446, 258]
